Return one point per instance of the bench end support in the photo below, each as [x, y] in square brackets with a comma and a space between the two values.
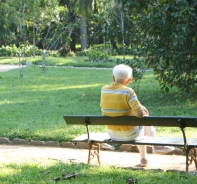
[94, 150]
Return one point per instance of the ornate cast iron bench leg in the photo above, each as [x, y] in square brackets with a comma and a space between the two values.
[94, 149]
[191, 157]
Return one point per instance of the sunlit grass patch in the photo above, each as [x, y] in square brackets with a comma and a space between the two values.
[32, 107]
[31, 171]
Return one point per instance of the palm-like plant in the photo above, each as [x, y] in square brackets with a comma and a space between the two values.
[83, 8]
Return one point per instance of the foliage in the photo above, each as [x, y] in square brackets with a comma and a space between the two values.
[44, 24]
[71, 54]
[82, 7]
[160, 33]
[138, 67]
[7, 23]
[63, 51]
[31, 50]
[9, 51]
[166, 38]
[14, 51]
[97, 54]
[23, 15]
[112, 24]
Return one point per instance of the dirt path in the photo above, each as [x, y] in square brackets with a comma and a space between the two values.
[5, 68]
[108, 158]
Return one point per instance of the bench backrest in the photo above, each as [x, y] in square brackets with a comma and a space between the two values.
[169, 121]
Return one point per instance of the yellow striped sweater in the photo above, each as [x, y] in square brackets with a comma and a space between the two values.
[119, 100]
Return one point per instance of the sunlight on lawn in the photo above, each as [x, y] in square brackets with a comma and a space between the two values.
[54, 87]
[6, 171]
[79, 86]
[20, 160]
[12, 165]
[39, 100]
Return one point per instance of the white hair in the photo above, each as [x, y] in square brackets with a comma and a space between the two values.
[122, 72]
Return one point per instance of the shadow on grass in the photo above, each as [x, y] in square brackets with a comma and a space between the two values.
[54, 172]
[33, 107]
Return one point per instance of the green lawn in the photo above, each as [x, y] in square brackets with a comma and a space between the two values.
[45, 171]
[32, 107]
[63, 61]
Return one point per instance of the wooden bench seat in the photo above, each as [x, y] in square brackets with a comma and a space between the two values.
[94, 139]
[165, 141]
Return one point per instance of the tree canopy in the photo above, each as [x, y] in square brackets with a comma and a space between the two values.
[159, 33]
[165, 37]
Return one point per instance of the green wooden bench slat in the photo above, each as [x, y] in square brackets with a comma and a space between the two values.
[132, 121]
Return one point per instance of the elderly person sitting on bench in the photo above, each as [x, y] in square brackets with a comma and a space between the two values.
[118, 99]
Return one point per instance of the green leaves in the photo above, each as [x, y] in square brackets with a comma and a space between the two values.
[168, 41]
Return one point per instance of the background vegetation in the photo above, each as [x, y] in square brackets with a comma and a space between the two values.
[160, 34]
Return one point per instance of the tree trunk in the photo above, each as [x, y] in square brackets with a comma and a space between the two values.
[83, 33]
[73, 43]
[113, 42]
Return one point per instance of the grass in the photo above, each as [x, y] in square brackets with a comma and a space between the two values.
[32, 107]
[23, 170]
[76, 61]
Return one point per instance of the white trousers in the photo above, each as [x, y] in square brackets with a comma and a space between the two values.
[138, 133]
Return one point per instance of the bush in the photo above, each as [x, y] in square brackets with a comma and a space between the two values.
[63, 50]
[166, 39]
[13, 51]
[9, 50]
[71, 54]
[97, 54]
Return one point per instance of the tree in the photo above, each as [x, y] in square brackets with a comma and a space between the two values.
[7, 25]
[118, 14]
[83, 8]
[26, 14]
[41, 14]
[165, 34]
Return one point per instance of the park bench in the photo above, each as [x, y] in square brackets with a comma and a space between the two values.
[95, 139]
